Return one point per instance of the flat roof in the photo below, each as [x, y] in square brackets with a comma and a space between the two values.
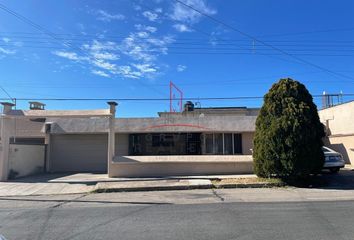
[340, 104]
[59, 113]
[217, 108]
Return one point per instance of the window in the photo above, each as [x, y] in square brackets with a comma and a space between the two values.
[228, 143]
[209, 139]
[218, 143]
[237, 144]
[162, 140]
[223, 143]
[165, 144]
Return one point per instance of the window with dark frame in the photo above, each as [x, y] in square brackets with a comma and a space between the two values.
[228, 149]
[223, 143]
[209, 143]
[165, 144]
[237, 143]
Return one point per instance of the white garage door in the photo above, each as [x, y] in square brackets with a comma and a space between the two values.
[78, 153]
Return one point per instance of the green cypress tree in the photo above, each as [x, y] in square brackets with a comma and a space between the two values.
[288, 138]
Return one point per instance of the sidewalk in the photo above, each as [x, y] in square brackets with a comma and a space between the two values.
[54, 184]
[51, 184]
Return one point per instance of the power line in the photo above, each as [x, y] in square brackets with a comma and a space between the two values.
[3, 89]
[197, 53]
[316, 47]
[215, 38]
[220, 39]
[157, 99]
[52, 35]
[131, 99]
[226, 51]
[246, 80]
[260, 41]
[224, 46]
[310, 32]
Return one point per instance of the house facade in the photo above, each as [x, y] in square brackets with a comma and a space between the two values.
[195, 141]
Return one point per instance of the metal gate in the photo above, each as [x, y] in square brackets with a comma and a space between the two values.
[78, 153]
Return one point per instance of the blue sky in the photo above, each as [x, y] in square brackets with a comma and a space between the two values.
[133, 48]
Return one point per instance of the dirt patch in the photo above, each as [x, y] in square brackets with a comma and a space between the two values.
[247, 182]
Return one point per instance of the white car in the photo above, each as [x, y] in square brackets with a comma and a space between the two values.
[333, 160]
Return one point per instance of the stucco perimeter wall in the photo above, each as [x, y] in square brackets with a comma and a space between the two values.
[247, 143]
[122, 144]
[25, 160]
[159, 166]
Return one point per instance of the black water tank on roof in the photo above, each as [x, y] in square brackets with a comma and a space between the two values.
[188, 106]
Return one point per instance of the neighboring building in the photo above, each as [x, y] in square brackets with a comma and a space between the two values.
[195, 141]
[340, 129]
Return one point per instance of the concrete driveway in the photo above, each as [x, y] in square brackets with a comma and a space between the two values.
[50, 184]
[73, 183]
[47, 184]
[343, 180]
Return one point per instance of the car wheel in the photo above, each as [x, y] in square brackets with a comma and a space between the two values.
[334, 170]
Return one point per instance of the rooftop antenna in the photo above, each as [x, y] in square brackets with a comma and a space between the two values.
[176, 95]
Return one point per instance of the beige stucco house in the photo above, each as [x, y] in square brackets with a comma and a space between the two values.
[195, 141]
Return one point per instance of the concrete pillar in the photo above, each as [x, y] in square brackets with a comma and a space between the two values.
[5, 140]
[111, 135]
[4, 148]
[47, 142]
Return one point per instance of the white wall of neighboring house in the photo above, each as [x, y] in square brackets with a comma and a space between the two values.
[26, 160]
[340, 129]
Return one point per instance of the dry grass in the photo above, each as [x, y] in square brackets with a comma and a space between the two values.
[270, 182]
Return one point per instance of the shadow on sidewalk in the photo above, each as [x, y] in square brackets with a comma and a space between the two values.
[343, 180]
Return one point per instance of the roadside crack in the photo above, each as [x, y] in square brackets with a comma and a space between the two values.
[68, 201]
[218, 196]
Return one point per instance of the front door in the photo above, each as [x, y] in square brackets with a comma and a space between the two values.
[193, 143]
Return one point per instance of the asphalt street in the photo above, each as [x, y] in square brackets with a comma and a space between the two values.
[195, 214]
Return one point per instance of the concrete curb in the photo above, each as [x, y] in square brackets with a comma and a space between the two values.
[247, 185]
[156, 185]
[179, 185]
[145, 189]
